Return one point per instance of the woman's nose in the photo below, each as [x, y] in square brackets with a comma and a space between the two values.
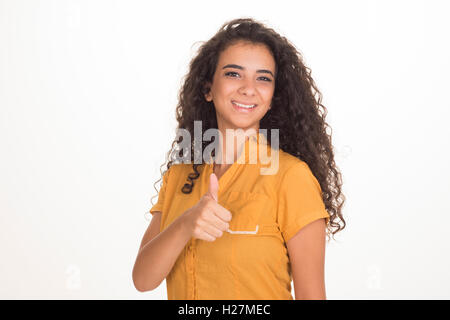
[248, 87]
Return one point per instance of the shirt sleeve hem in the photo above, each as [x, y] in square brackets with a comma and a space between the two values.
[300, 223]
[155, 208]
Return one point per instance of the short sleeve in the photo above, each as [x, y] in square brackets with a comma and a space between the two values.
[159, 205]
[300, 200]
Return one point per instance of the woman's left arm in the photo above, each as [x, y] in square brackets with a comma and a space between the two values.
[307, 256]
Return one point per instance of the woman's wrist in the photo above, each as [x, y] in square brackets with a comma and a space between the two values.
[185, 227]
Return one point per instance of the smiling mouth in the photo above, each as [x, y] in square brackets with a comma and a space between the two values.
[243, 107]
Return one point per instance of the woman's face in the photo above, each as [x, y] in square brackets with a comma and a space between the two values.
[245, 74]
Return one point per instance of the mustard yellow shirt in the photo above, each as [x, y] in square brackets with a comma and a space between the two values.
[251, 260]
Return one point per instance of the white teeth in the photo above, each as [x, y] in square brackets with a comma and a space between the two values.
[244, 106]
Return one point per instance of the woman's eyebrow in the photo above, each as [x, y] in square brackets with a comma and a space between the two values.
[242, 68]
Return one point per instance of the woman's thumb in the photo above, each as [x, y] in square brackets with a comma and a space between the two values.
[213, 187]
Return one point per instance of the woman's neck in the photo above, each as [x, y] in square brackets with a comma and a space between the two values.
[232, 146]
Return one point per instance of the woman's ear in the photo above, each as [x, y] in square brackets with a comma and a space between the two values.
[207, 90]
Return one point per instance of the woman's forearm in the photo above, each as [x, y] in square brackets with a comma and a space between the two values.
[157, 257]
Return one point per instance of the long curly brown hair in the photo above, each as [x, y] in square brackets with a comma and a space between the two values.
[296, 109]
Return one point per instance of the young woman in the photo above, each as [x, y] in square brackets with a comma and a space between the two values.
[224, 230]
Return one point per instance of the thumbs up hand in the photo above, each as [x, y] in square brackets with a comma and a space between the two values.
[213, 187]
[207, 220]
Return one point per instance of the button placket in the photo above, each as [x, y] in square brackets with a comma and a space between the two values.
[190, 268]
[194, 289]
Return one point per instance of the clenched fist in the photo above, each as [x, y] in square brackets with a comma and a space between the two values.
[207, 220]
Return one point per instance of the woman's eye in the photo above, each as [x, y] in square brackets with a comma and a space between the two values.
[231, 73]
[267, 79]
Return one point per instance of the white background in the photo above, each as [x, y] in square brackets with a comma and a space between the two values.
[87, 108]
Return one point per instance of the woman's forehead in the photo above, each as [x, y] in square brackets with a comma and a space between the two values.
[251, 55]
